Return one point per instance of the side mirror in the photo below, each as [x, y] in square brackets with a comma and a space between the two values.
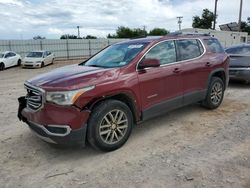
[146, 63]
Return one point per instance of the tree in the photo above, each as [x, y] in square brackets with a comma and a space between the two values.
[245, 26]
[38, 37]
[126, 32]
[205, 21]
[90, 37]
[110, 36]
[68, 36]
[158, 32]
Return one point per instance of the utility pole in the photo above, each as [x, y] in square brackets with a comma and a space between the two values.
[144, 29]
[240, 13]
[215, 14]
[78, 29]
[179, 21]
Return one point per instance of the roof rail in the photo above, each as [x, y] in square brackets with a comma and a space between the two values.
[180, 33]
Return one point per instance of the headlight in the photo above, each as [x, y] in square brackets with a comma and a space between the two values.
[38, 62]
[66, 97]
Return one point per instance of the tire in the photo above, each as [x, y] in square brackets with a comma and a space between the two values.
[2, 66]
[215, 93]
[19, 62]
[102, 133]
[42, 64]
[52, 62]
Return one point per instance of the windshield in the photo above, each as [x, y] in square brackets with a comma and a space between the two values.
[1, 55]
[116, 55]
[35, 54]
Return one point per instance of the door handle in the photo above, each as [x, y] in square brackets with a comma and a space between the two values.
[176, 70]
[208, 64]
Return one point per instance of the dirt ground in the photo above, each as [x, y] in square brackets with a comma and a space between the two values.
[189, 147]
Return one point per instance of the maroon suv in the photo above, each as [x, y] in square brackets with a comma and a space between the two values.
[101, 99]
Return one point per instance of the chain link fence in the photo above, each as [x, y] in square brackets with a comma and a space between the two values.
[63, 49]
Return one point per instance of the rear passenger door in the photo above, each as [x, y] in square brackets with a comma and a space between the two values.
[195, 69]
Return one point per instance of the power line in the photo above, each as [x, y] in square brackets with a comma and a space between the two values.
[179, 21]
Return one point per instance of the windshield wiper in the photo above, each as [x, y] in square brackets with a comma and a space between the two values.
[95, 66]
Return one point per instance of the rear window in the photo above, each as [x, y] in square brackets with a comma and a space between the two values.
[245, 50]
[188, 49]
[214, 45]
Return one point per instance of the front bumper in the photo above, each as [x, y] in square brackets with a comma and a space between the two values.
[240, 74]
[56, 124]
[74, 137]
[31, 65]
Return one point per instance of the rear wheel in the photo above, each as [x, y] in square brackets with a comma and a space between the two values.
[42, 64]
[110, 125]
[215, 93]
[2, 66]
[52, 61]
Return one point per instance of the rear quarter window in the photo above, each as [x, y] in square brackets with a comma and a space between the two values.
[214, 45]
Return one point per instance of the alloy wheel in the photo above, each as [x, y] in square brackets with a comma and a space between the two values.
[113, 127]
[216, 93]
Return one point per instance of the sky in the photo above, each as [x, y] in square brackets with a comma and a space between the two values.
[23, 19]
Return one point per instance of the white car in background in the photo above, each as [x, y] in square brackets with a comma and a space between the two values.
[9, 59]
[38, 59]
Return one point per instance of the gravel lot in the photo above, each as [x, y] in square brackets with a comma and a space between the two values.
[189, 147]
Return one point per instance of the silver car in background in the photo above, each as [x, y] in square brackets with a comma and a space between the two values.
[239, 67]
[37, 59]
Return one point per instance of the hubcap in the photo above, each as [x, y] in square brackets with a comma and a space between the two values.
[113, 126]
[216, 94]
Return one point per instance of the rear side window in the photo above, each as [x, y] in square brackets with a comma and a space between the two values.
[214, 46]
[189, 49]
[12, 54]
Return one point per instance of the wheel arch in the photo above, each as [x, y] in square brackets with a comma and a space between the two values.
[126, 98]
[2, 62]
[218, 73]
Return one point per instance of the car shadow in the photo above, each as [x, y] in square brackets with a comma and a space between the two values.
[239, 85]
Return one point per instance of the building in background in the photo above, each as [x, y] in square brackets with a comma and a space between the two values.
[227, 38]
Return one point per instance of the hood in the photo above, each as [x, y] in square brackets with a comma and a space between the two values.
[74, 77]
[33, 59]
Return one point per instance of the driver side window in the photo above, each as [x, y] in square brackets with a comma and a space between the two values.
[165, 52]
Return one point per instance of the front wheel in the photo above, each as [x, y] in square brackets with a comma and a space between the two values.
[42, 64]
[2, 66]
[110, 125]
[215, 93]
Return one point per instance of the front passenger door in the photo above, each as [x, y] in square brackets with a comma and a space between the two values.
[161, 87]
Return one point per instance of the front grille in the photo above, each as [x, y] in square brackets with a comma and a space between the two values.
[28, 65]
[34, 97]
